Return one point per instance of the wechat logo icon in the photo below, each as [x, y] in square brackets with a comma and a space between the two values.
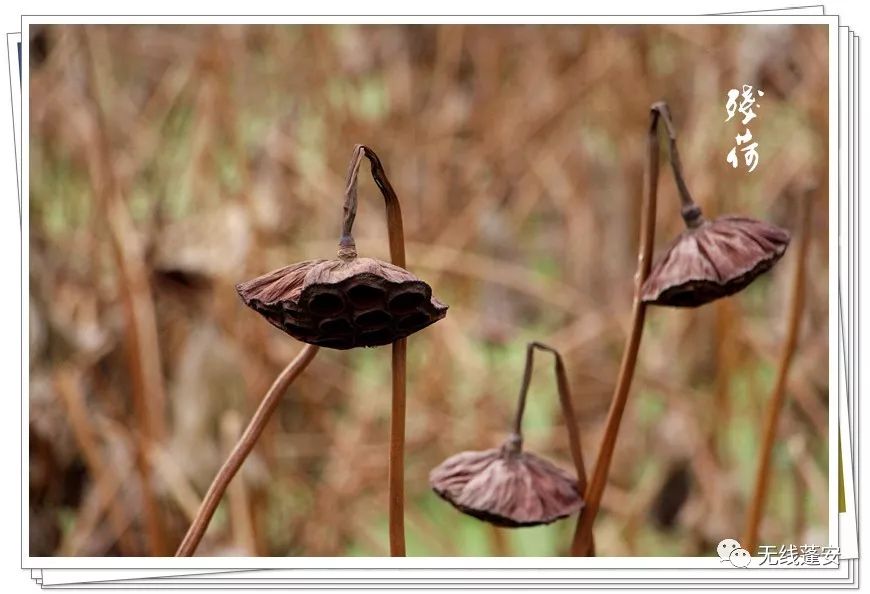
[730, 551]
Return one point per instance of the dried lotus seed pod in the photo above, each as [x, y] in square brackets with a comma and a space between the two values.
[506, 486]
[714, 259]
[344, 303]
[710, 259]
[350, 301]
[511, 488]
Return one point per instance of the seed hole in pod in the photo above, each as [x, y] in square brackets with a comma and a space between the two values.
[296, 329]
[376, 337]
[371, 320]
[414, 320]
[365, 296]
[406, 301]
[335, 327]
[326, 304]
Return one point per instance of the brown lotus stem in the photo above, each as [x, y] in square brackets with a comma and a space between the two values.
[582, 543]
[396, 473]
[242, 449]
[690, 211]
[564, 401]
[777, 397]
[524, 389]
[346, 244]
[567, 410]
[396, 236]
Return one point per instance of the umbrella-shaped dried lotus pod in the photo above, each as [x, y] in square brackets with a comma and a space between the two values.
[350, 301]
[710, 259]
[508, 487]
[714, 259]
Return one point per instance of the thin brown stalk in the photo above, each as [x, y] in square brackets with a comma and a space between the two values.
[397, 451]
[92, 517]
[67, 383]
[582, 544]
[725, 351]
[241, 450]
[178, 486]
[498, 543]
[396, 236]
[140, 318]
[777, 398]
[568, 415]
[241, 519]
[565, 403]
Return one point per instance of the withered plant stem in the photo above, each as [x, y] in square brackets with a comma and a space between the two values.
[140, 319]
[777, 397]
[689, 210]
[67, 383]
[582, 544]
[396, 470]
[396, 236]
[242, 449]
[565, 403]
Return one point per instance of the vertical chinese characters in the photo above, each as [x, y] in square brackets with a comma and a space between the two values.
[744, 140]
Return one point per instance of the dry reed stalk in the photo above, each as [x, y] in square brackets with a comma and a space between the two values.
[177, 484]
[141, 321]
[90, 517]
[241, 450]
[777, 399]
[106, 484]
[800, 488]
[582, 544]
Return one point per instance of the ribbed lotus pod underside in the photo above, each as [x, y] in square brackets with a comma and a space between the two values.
[506, 486]
[714, 259]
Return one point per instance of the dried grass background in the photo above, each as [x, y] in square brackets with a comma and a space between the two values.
[169, 163]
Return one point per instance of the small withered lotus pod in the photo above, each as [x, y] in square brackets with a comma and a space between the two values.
[714, 259]
[350, 301]
[506, 486]
[511, 488]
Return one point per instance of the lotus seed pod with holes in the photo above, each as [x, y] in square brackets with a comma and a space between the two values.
[350, 301]
[344, 303]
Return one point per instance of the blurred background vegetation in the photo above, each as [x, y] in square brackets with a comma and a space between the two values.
[169, 163]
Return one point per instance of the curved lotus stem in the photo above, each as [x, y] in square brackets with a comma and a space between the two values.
[582, 543]
[242, 449]
[347, 249]
[395, 228]
[690, 211]
[565, 402]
